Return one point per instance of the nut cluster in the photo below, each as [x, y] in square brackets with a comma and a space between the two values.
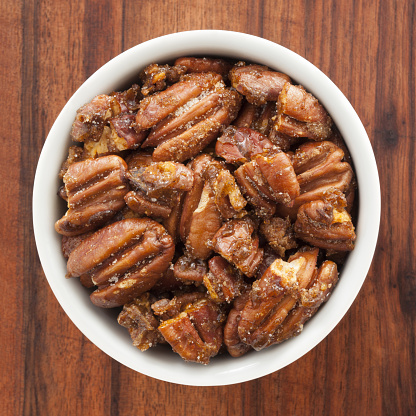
[212, 202]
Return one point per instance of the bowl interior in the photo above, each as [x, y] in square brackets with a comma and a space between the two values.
[100, 326]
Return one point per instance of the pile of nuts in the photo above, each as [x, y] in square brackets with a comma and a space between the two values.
[211, 202]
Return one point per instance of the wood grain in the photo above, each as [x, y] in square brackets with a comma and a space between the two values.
[367, 365]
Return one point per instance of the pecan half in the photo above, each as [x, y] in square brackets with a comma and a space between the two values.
[124, 259]
[95, 190]
[319, 170]
[326, 225]
[158, 187]
[189, 270]
[158, 106]
[192, 65]
[190, 142]
[138, 318]
[257, 83]
[301, 115]
[197, 333]
[235, 347]
[238, 243]
[273, 296]
[223, 282]
[269, 178]
[157, 77]
[239, 145]
[311, 299]
[279, 234]
[92, 117]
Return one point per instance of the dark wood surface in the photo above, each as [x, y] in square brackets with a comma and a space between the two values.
[367, 365]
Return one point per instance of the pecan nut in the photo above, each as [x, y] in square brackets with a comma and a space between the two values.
[237, 241]
[273, 296]
[95, 190]
[137, 316]
[196, 334]
[326, 224]
[124, 259]
[257, 83]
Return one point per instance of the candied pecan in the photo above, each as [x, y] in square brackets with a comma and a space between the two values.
[169, 308]
[279, 234]
[227, 194]
[91, 118]
[68, 243]
[156, 77]
[299, 114]
[160, 105]
[319, 170]
[223, 282]
[157, 187]
[129, 99]
[119, 135]
[239, 145]
[257, 83]
[139, 319]
[273, 296]
[324, 225]
[193, 64]
[200, 218]
[124, 259]
[238, 243]
[204, 223]
[268, 178]
[197, 333]
[190, 269]
[95, 189]
[190, 142]
[235, 347]
[312, 298]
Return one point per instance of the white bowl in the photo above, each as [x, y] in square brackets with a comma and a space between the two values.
[100, 325]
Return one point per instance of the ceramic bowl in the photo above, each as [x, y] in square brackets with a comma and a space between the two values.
[99, 325]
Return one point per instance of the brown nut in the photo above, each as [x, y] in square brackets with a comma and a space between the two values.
[92, 117]
[239, 145]
[138, 318]
[299, 114]
[268, 179]
[189, 269]
[324, 225]
[273, 296]
[238, 243]
[223, 282]
[95, 190]
[192, 141]
[319, 170]
[279, 234]
[257, 83]
[158, 187]
[232, 341]
[311, 299]
[200, 218]
[124, 259]
[157, 77]
[160, 105]
[193, 64]
[197, 333]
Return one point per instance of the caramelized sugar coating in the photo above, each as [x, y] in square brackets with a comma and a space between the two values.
[137, 316]
[188, 194]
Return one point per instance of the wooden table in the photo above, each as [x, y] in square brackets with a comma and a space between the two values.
[367, 365]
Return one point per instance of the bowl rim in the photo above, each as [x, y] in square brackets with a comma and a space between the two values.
[92, 322]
